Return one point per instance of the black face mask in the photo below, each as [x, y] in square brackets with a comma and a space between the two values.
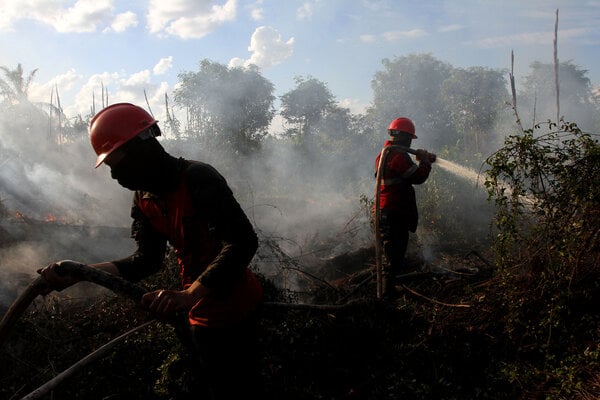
[144, 167]
[132, 179]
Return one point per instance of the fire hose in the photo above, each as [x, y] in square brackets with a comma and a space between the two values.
[80, 271]
[96, 354]
[377, 228]
[125, 288]
[85, 273]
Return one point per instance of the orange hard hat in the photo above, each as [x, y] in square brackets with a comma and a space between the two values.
[115, 125]
[402, 125]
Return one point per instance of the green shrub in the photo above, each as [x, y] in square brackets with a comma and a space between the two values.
[546, 188]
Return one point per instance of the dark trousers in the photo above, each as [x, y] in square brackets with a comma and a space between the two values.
[229, 362]
[394, 235]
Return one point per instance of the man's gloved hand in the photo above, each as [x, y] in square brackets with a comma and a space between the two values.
[421, 155]
[424, 155]
[55, 279]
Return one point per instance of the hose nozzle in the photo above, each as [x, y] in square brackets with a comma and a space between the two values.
[420, 154]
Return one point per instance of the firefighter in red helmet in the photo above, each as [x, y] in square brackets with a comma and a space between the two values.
[190, 206]
[396, 204]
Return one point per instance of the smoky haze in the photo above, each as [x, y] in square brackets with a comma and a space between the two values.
[54, 204]
[57, 206]
[305, 209]
[307, 195]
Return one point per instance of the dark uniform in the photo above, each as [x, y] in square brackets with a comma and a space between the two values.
[214, 243]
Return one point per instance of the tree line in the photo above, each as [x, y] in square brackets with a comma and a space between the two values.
[466, 109]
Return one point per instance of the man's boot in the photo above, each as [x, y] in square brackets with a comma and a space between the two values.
[388, 283]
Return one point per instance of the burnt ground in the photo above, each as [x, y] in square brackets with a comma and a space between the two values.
[364, 348]
[439, 336]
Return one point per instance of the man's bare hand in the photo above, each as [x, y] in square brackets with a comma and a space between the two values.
[167, 302]
[54, 279]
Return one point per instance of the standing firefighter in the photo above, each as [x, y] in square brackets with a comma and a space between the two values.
[188, 205]
[395, 203]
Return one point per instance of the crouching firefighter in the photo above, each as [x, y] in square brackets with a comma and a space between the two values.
[395, 206]
[190, 206]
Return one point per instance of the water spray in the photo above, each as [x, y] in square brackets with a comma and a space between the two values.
[449, 166]
[475, 178]
[459, 170]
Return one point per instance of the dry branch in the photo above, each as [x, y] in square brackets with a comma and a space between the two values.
[313, 307]
[434, 300]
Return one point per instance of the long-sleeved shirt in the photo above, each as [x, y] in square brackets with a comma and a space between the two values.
[212, 237]
[399, 174]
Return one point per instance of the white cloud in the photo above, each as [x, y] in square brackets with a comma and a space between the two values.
[79, 96]
[189, 19]
[117, 87]
[83, 16]
[533, 38]
[355, 106]
[138, 79]
[530, 38]
[40, 92]
[267, 49]
[256, 10]
[122, 22]
[304, 12]
[450, 28]
[392, 36]
[11, 11]
[91, 92]
[236, 62]
[163, 65]
[368, 38]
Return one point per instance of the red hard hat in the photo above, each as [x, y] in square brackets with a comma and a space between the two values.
[115, 125]
[404, 125]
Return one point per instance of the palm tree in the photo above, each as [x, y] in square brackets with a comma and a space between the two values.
[13, 86]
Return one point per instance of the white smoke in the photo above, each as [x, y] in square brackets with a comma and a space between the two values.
[54, 204]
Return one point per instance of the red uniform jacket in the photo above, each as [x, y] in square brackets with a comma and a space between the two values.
[212, 238]
[399, 174]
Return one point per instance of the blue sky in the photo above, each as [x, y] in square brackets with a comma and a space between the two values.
[132, 46]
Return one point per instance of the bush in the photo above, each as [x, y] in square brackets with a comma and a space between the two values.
[546, 187]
